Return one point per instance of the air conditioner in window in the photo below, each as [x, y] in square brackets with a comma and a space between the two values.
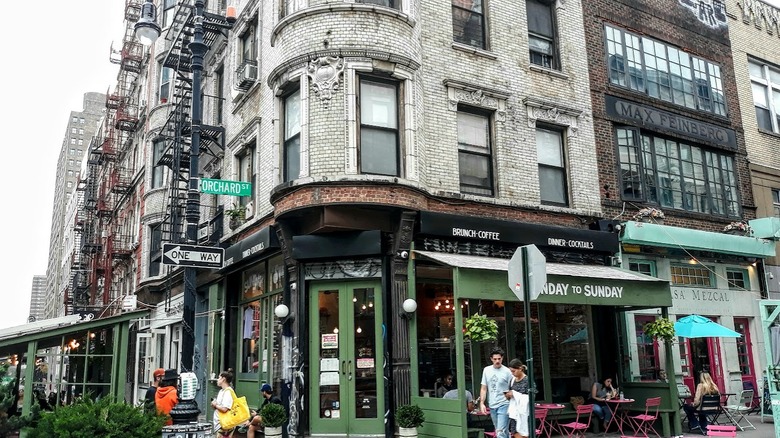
[249, 73]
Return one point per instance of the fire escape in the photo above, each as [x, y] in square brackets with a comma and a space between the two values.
[177, 129]
[105, 241]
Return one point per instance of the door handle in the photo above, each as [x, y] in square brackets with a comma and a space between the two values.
[349, 369]
[343, 367]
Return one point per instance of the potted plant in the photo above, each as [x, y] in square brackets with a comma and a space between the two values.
[273, 417]
[650, 214]
[661, 328]
[236, 215]
[741, 228]
[409, 418]
[480, 328]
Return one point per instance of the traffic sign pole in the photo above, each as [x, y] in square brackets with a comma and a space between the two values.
[529, 350]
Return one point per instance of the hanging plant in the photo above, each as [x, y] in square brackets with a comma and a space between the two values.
[480, 328]
[661, 328]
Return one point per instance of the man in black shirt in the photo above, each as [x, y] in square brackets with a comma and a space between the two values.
[149, 404]
[255, 422]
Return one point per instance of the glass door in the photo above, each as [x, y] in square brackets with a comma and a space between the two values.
[745, 354]
[346, 351]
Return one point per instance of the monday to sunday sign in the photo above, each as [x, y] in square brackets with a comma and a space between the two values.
[225, 187]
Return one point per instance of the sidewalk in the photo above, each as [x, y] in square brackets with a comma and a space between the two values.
[763, 430]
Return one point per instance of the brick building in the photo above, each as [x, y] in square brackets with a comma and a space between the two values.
[669, 133]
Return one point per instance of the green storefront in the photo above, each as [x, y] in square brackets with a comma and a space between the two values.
[578, 332]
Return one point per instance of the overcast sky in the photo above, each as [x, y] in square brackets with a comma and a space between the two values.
[53, 52]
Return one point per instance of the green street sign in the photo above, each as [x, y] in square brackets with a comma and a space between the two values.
[225, 187]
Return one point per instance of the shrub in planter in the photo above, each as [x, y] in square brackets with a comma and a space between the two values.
[409, 416]
[104, 418]
[273, 415]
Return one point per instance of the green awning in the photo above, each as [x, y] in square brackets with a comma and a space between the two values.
[641, 233]
[485, 278]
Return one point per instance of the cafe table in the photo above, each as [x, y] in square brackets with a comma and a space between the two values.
[553, 412]
[619, 414]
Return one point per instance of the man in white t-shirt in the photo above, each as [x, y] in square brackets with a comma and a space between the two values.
[496, 380]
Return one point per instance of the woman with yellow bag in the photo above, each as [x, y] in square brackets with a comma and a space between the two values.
[229, 409]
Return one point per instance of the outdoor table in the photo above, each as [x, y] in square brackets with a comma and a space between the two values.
[553, 412]
[480, 420]
[618, 414]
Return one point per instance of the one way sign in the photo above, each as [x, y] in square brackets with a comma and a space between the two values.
[177, 254]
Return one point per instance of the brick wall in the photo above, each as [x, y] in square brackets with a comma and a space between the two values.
[671, 22]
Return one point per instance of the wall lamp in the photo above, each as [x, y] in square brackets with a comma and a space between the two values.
[282, 312]
[409, 306]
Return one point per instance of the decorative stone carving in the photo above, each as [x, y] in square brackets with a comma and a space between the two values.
[462, 93]
[538, 109]
[324, 73]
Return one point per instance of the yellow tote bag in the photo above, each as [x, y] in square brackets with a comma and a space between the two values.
[238, 413]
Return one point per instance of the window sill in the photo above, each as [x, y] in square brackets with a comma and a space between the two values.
[547, 71]
[772, 133]
[474, 50]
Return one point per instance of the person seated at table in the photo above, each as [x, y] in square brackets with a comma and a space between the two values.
[662, 377]
[444, 386]
[600, 392]
[698, 423]
[452, 394]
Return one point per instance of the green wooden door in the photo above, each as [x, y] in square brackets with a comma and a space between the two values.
[346, 350]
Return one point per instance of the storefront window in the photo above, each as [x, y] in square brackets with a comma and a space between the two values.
[647, 350]
[518, 327]
[568, 344]
[73, 366]
[435, 335]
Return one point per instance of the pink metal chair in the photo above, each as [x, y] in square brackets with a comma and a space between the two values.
[580, 425]
[716, 430]
[540, 415]
[643, 423]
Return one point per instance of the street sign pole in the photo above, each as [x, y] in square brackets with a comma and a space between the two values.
[529, 350]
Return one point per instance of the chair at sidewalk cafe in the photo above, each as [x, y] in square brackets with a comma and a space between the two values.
[736, 412]
[540, 415]
[710, 407]
[643, 423]
[580, 425]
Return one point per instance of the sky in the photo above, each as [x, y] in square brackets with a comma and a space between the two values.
[52, 54]
[44, 77]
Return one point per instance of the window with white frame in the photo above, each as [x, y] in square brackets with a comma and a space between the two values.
[248, 45]
[165, 84]
[379, 139]
[292, 136]
[553, 175]
[765, 82]
[158, 170]
[475, 152]
[169, 7]
[155, 249]
[664, 72]
[691, 275]
[676, 175]
[246, 171]
[386, 3]
[542, 33]
[468, 23]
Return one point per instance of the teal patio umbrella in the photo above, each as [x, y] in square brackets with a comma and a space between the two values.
[697, 326]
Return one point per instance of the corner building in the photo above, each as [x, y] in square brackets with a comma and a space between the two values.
[669, 135]
[405, 150]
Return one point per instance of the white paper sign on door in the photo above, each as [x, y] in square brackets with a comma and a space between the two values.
[329, 364]
[330, 341]
[329, 378]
